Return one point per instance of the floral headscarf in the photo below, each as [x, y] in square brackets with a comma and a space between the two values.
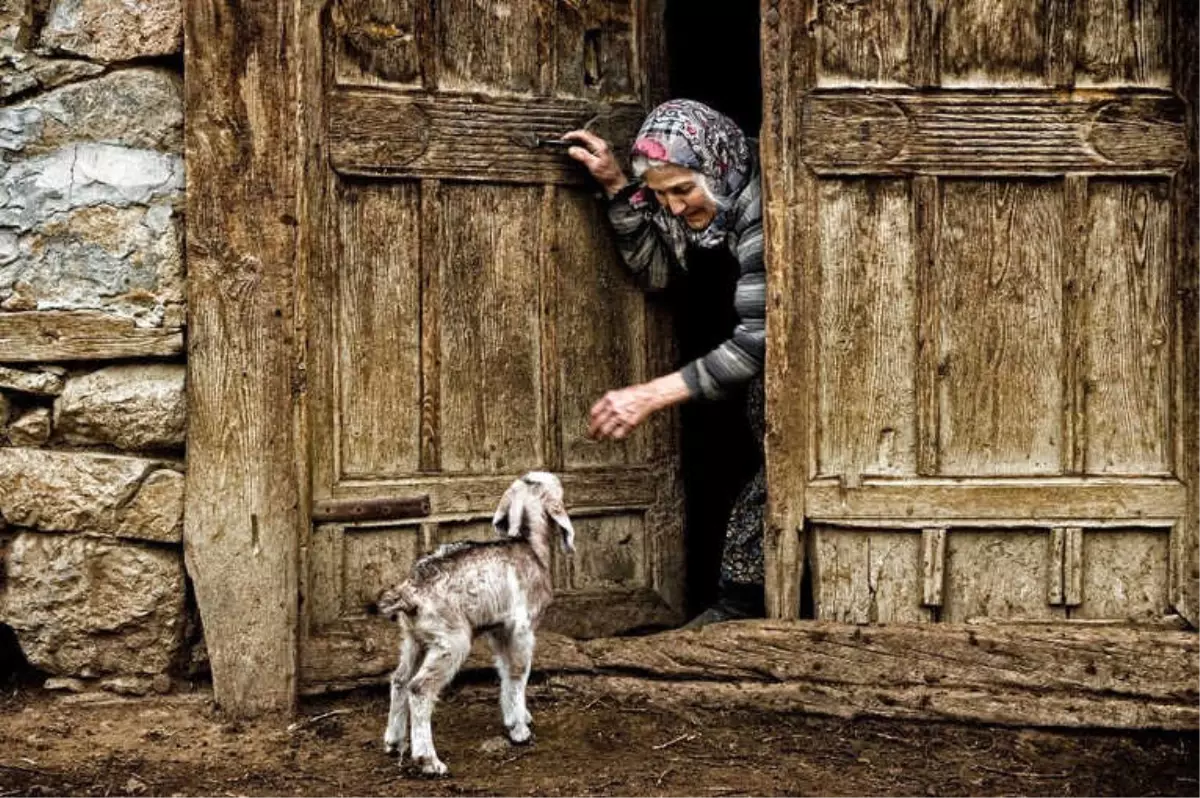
[692, 135]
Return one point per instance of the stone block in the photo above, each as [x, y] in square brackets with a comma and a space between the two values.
[108, 31]
[31, 429]
[131, 407]
[97, 494]
[86, 607]
[38, 383]
[22, 71]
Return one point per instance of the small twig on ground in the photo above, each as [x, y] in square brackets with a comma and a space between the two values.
[889, 737]
[658, 782]
[23, 769]
[593, 703]
[300, 724]
[681, 738]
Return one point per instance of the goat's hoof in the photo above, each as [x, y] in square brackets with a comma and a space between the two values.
[431, 767]
[392, 748]
[520, 734]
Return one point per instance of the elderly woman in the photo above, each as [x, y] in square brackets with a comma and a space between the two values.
[697, 187]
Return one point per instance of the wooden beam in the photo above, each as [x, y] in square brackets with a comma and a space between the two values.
[243, 516]
[389, 509]
[465, 137]
[992, 133]
[59, 335]
[997, 502]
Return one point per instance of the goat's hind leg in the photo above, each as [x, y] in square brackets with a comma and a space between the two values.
[443, 657]
[397, 727]
[513, 648]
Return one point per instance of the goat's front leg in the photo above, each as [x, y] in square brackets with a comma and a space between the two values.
[514, 655]
[397, 727]
[443, 657]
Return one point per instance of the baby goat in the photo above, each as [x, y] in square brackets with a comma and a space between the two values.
[498, 589]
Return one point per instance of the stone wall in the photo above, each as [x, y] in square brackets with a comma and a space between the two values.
[92, 426]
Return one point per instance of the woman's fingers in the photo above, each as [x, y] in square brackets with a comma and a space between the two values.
[590, 140]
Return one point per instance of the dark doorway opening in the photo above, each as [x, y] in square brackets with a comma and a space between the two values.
[713, 53]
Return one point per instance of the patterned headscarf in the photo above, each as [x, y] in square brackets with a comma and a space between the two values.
[692, 135]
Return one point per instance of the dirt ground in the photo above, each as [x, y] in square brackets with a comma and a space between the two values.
[586, 744]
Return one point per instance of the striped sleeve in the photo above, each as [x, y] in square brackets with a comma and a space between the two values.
[646, 255]
[739, 359]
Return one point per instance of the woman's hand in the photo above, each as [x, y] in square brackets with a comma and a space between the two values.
[619, 412]
[597, 156]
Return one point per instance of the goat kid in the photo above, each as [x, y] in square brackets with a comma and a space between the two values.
[498, 589]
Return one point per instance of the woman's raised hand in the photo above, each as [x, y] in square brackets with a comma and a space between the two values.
[597, 156]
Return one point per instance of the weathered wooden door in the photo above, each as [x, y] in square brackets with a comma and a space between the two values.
[983, 351]
[466, 307]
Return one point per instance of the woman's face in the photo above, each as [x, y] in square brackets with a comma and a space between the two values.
[679, 191]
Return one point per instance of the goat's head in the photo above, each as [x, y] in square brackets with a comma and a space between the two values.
[536, 492]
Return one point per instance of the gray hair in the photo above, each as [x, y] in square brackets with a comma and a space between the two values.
[642, 163]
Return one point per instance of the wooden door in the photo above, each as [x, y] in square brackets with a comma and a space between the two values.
[466, 307]
[982, 365]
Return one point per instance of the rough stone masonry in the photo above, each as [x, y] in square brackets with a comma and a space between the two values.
[91, 452]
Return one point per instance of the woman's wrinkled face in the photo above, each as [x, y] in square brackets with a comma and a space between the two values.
[679, 191]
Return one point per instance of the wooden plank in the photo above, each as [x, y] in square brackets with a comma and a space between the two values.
[926, 196]
[1028, 674]
[1003, 132]
[977, 586]
[467, 137]
[991, 43]
[1185, 557]
[933, 565]
[789, 57]
[866, 417]
[431, 330]
[1062, 24]
[373, 559]
[1127, 328]
[864, 44]
[1072, 566]
[631, 486]
[1125, 575]
[1054, 565]
[1148, 502]
[863, 576]
[549, 354]
[602, 335]
[1073, 448]
[998, 283]
[1125, 44]
[925, 48]
[488, 46]
[59, 335]
[242, 522]
[488, 302]
[377, 332]
[370, 509]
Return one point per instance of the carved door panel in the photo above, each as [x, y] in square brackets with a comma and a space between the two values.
[467, 306]
[983, 354]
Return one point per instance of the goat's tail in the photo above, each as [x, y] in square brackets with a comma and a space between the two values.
[396, 600]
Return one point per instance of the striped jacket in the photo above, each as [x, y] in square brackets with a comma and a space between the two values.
[649, 259]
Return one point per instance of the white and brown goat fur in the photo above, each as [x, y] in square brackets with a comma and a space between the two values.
[497, 589]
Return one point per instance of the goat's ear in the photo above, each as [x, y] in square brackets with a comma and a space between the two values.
[558, 513]
[511, 512]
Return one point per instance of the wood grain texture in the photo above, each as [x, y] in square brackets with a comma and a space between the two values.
[602, 335]
[926, 199]
[867, 577]
[995, 502]
[489, 46]
[866, 322]
[977, 588]
[1072, 567]
[596, 49]
[1127, 328]
[1006, 132]
[1073, 447]
[242, 523]
[377, 41]
[374, 558]
[789, 59]
[989, 43]
[1125, 575]
[864, 43]
[58, 335]
[431, 327]
[1124, 44]
[488, 297]
[933, 565]
[377, 331]
[999, 280]
[465, 137]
